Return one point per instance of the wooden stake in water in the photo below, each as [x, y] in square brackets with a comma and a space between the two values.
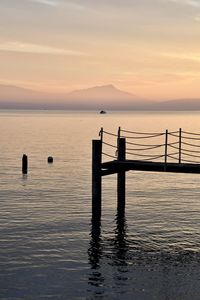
[25, 164]
[50, 159]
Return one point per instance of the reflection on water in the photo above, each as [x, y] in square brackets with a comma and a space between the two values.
[96, 278]
[95, 250]
[118, 244]
[122, 266]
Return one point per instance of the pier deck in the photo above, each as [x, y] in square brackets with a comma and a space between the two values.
[115, 166]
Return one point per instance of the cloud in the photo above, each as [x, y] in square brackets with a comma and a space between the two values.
[54, 3]
[38, 49]
[193, 3]
[46, 2]
[197, 18]
[195, 57]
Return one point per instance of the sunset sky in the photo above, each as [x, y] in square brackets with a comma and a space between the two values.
[149, 48]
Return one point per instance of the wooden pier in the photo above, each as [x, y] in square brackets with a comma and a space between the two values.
[175, 151]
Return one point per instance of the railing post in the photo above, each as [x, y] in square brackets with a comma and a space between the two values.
[119, 133]
[121, 176]
[166, 143]
[96, 178]
[180, 137]
[101, 134]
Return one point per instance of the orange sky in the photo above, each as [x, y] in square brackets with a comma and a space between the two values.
[150, 48]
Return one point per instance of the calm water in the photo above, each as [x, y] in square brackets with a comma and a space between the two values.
[49, 248]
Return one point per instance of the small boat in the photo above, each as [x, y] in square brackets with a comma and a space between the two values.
[102, 112]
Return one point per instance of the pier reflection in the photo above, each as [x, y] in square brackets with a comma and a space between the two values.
[95, 248]
[137, 266]
[106, 252]
[95, 279]
[120, 242]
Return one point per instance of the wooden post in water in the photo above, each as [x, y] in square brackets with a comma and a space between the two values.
[180, 136]
[96, 178]
[121, 176]
[25, 164]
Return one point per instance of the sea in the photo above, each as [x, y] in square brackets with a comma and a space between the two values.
[48, 246]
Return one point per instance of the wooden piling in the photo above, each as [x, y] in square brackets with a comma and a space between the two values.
[180, 138]
[24, 164]
[121, 176]
[96, 178]
[166, 153]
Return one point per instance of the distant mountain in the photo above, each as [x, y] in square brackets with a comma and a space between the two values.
[11, 92]
[178, 104]
[100, 92]
[106, 97]
[17, 97]
[100, 97]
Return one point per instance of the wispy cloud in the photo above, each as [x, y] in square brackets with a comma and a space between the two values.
[71, 5]
[197, 18]
[54, 3]
[38, 49]
[46, 2]
[193, 3]
[195, 57]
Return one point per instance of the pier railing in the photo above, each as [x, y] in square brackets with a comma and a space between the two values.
[169, 146]
[123, 151]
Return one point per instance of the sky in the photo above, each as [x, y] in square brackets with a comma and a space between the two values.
[150, 48]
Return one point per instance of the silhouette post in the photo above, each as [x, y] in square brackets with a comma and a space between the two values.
[121, 176]
[50, 159]
[25, 164]
[166, 148]
[96, 178]
[180, 136]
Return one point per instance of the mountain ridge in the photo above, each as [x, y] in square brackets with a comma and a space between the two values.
[107, 89]
[93, 98]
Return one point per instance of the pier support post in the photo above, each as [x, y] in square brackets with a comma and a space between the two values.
[96, 178]
[121, 177]
[24, 164]
[166, 149]
[180, 144]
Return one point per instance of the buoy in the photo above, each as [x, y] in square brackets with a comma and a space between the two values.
[50, 159]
